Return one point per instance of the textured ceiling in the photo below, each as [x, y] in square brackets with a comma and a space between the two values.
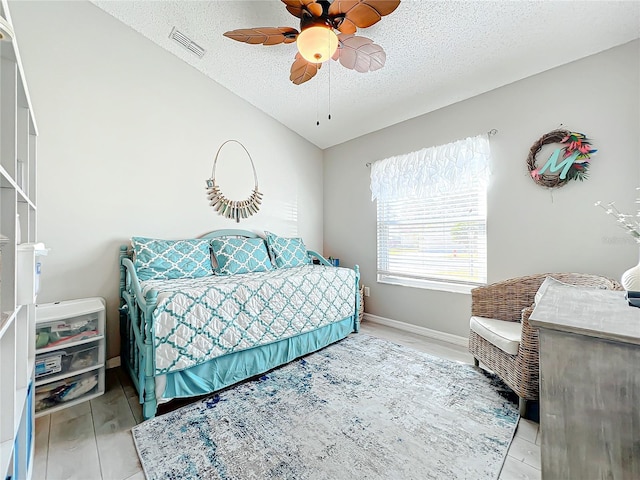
[438, 53]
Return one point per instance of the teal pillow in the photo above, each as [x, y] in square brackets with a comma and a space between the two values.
[287, 252]
[240, 255]
[168, 259]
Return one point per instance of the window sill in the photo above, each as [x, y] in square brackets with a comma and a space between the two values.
[464, 288]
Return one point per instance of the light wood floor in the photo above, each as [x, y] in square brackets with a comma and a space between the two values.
[92, 441]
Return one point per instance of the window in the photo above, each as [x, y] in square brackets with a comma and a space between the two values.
[432, 216]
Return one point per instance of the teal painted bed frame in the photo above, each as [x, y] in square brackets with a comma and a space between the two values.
[137, 332]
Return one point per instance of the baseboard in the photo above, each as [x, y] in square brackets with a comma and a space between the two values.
[113, 362]
[425, 332]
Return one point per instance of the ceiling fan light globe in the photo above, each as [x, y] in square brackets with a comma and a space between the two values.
[317, 44]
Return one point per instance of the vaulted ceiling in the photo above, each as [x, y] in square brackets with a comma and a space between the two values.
[437, 53]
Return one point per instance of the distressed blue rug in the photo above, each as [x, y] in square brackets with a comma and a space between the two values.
[361, 408]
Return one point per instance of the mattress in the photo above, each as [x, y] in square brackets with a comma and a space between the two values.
[199, 319]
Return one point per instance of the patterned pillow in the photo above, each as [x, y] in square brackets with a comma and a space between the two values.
[287, 252]
[167, 259]
[240, 255]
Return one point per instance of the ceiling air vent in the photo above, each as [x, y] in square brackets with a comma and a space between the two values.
[186, 42]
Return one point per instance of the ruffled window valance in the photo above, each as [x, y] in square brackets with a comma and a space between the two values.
[431, 171]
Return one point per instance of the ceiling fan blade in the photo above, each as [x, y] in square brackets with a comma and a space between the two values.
[347, 26]
[298, 7]
[360, 54]
[264, 35]
[361, 13]
[315, 9]
[301, 70]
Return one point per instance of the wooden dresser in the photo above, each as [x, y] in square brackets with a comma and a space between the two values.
[589, 384]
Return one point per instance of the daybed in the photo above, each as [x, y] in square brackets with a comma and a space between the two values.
[189, 328]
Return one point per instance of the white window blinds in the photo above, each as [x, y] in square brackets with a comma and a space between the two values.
[431, 214]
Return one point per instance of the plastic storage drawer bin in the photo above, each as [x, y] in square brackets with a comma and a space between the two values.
[70, 351]
[66, 390]
[66, 361]
[61, 332]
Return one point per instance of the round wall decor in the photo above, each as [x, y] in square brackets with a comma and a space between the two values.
[571, 160]
[236, 209]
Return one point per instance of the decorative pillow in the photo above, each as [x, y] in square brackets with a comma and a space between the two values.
[240, 255]
[543, 287]
[168, 259]
[552, 281]
[287, 252]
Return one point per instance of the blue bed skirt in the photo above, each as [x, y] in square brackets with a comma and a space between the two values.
[233, 368]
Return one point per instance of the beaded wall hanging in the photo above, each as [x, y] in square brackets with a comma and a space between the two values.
[232, 208]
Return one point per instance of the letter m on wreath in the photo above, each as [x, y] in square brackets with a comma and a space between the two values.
[554, 166]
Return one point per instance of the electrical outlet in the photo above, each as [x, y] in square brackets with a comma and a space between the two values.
[367, 292]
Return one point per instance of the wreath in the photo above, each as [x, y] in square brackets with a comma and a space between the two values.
[572, 159]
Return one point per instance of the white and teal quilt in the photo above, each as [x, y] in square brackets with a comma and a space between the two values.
[197, 319]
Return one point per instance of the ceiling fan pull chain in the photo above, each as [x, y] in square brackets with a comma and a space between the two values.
[329, 90]
[317, 106]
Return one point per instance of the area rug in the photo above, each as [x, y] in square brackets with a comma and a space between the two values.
[361, 408]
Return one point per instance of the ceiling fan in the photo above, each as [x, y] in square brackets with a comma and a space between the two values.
[317, 40]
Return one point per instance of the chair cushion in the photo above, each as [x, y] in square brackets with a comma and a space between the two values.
[504, 335]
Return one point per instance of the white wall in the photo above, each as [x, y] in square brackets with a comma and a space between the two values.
[530, 229]
[128, 134]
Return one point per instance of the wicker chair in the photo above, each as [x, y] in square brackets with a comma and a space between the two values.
[512, 301]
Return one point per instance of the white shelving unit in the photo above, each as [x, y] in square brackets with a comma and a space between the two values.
[17, 224]
[70, 353]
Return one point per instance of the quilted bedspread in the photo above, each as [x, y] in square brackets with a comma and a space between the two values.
[203, 318]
